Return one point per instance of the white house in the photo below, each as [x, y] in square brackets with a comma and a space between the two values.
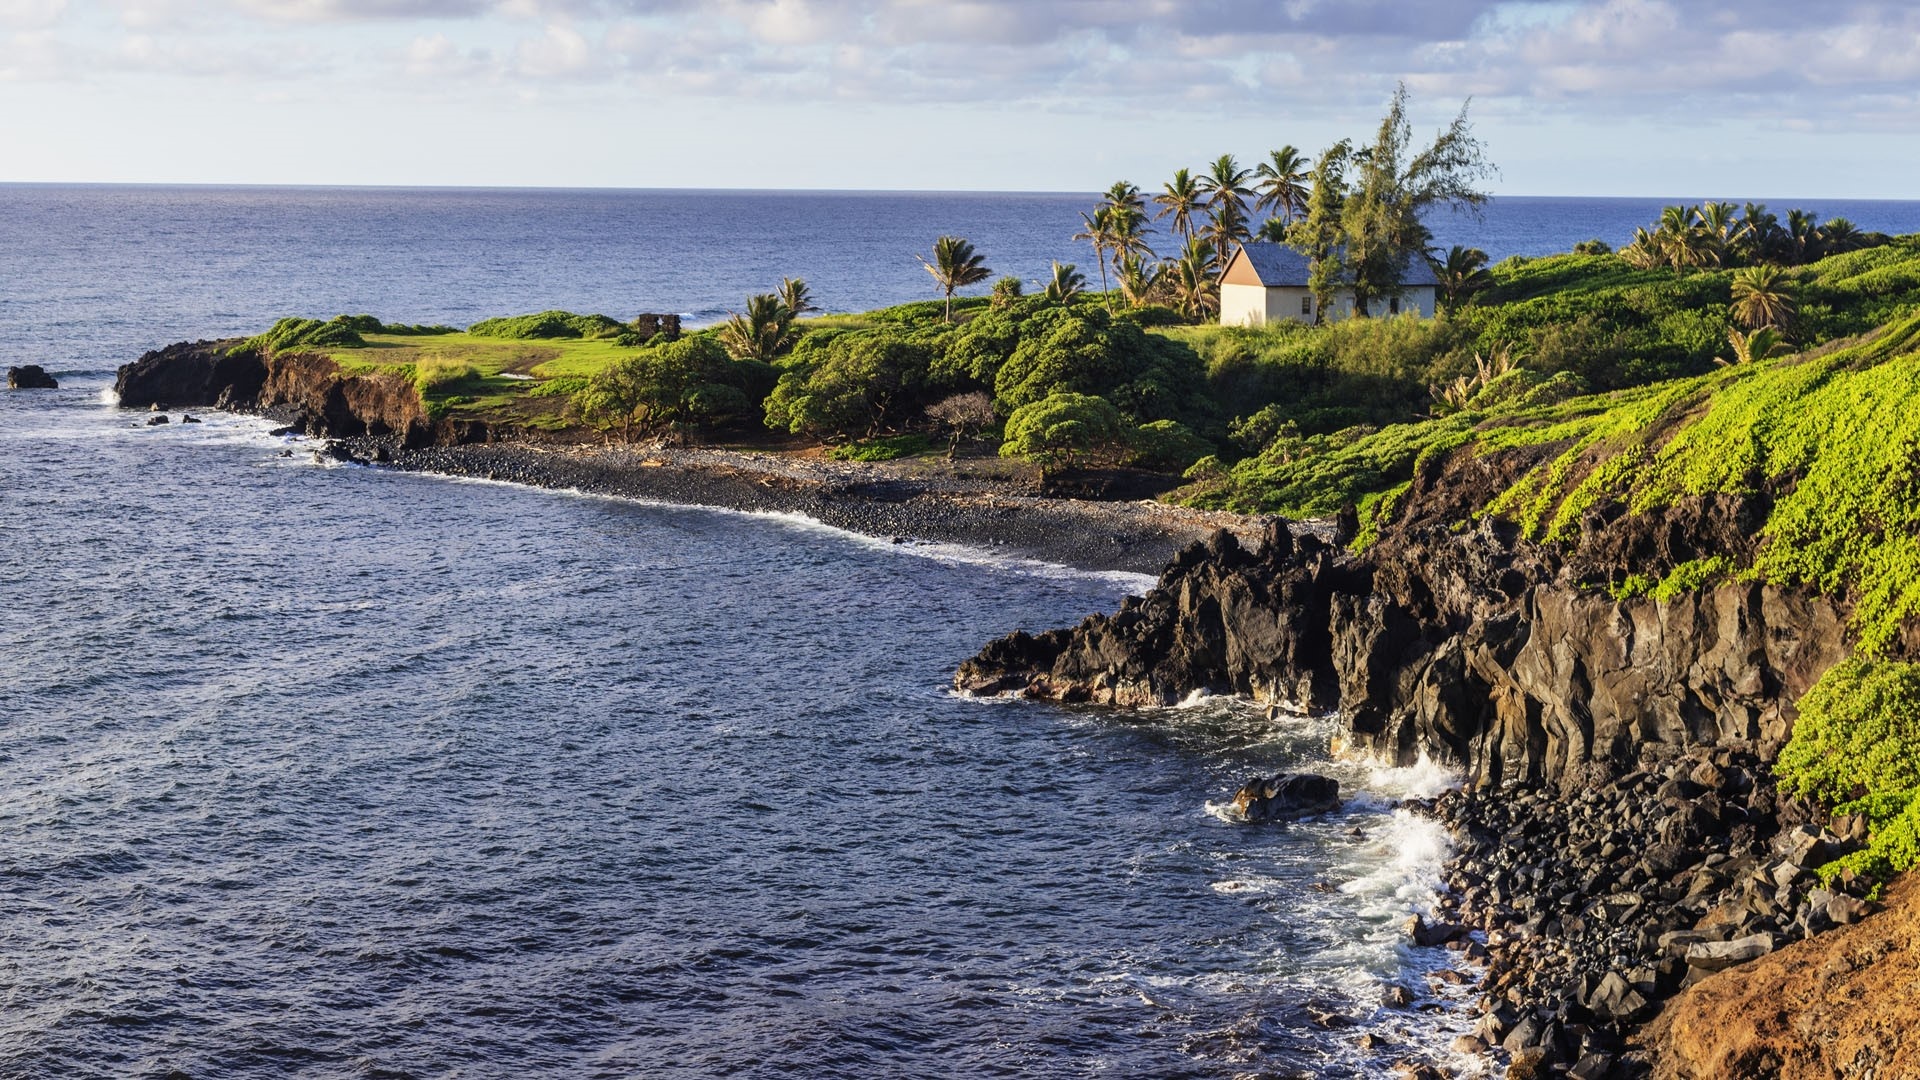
[1265, 282]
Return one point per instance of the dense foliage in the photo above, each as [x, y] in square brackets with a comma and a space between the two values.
[671, 385]
[548, 324]
[1856, 749]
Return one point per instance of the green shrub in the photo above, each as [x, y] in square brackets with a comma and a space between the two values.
[292, 335]
[547, 325]
[1062, 429]
[1856, 749]
[439, 373]
[1167, 446]
[883, 449]
[559, 386]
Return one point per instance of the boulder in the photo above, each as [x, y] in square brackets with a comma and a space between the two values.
[30, 377]
[1720, 955]
[1286, 795]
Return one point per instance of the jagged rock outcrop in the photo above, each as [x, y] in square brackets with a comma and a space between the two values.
[30, 377]
[190, 373]
[311, 390]
[1470, 645]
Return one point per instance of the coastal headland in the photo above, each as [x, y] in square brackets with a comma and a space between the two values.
[1658, 612]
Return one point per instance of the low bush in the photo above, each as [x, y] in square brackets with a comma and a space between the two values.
[547, 325]
[1856, 749]
[883, 449]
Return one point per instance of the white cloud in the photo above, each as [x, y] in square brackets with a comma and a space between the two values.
[561, 51]
[31, 14]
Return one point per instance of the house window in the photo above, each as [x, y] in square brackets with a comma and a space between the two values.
[1306, 305]
[1393, 305]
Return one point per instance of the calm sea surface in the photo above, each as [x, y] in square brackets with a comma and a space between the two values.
[326, 772]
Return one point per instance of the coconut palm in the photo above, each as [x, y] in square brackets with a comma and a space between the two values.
[1065, 284]
[1762, 296]
[794, 293]
[1644, 251]
[1139, 282]
[1191, 278]
[1803, 237]
[955, 266]
[762, 333]
[1682, 242]
[1098, 231]
[1761, 234]
[1226, 226]
[1125, 198]
[1721, 232]
[1127, 237]
[1462, 273]
[1283, 183]
[1182, 198]
[1225, 184]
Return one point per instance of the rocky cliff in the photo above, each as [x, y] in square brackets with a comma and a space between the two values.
[310, 391]
[1455, 637]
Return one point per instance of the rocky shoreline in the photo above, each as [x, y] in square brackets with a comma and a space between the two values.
[1597, 906]
[378, 419]
[870, 499]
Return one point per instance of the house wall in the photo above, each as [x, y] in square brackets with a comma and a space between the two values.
[1253, 305]
[1242, 305]
[1417, 300]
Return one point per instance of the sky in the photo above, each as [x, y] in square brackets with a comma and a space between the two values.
[1571, 97]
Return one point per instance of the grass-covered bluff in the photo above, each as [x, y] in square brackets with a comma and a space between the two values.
[1243, 403]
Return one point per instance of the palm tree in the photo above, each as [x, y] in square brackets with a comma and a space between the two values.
[1226, 226]
[1127, 237]
[1644, 251]
[1125, 197]
[1196, 292]
[1757, 345]
[1721, 232]
[1762, 234]
[1226, 185]
[1283, 183]
[762, 333]
[1099, 233]
[1762, 297]
[1680, 237]
[1803, 237]
[1139, 284]
[955, 266]
[1066, 284]
[1462, 273]
[1840, 235]
[1181, 197]
[793, 292]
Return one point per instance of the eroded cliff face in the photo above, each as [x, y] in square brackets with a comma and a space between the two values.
[310, 390]
[1463, 642]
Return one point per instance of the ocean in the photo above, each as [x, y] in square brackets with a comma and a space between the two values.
[322, 770]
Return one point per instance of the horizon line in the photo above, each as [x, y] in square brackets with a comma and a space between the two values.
[256, 185]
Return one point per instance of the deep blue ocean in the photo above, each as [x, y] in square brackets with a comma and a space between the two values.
[329, 771]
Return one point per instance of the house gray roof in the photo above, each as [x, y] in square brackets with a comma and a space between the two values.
[1279, 265]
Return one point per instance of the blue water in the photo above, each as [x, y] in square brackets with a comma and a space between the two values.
[93, 275]
[311, 771]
